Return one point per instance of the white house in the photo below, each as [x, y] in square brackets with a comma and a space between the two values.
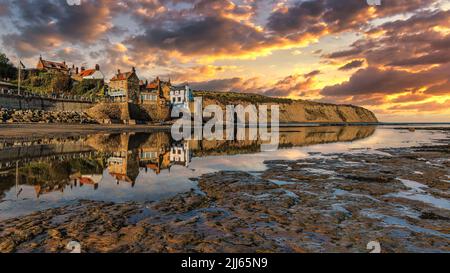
[181, 95]
[180, 154]
[92, 74]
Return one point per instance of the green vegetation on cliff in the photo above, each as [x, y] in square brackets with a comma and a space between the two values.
[57, 83]
[230, 97]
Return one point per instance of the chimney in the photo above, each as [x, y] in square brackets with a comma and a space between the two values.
[97, 67]
[118, 71]
[133, 69]
[76, 70]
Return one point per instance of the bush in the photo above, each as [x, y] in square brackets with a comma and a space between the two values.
[60, 83]
[88, 88]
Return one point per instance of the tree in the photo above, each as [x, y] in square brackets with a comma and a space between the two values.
[7, 69]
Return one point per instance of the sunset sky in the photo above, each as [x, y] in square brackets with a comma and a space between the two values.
[393, 59]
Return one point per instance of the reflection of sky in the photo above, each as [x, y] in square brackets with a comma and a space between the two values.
[150, 187]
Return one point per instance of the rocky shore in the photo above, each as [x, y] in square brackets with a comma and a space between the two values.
[398, 197]
[40, 116]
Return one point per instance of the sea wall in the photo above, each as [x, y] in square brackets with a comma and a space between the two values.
[36, 103]
[123, 111]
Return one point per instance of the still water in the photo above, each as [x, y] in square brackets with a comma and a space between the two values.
[141, 167]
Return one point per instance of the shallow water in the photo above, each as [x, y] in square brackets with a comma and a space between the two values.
[149, 167]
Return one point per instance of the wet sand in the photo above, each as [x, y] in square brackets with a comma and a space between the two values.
[35, 131]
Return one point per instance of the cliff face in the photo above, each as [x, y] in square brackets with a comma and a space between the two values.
[294, 110]
[300, 111]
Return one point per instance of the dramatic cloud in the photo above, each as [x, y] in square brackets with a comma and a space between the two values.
[423, 107]
[335, 15]
[196, 37]
[292, 84]
[416, 41]
[352, 65]
[48, 25]
[390, 81]
[439, 89]
[412, 97]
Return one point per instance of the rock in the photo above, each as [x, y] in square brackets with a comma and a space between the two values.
[54, 233]
[7, 246]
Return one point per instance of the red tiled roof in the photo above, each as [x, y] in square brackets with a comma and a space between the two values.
[152, 85]
[122, 76]
[54, 65]
[87, 73]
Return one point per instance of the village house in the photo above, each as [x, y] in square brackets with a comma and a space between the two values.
[124, 87]
[181, 95]
[52, 67]
[155, 92]
[87, 74]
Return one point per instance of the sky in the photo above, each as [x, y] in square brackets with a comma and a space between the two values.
[393, 59]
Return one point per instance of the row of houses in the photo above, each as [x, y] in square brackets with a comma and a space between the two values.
[125, 86]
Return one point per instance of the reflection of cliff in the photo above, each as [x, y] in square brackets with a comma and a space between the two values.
[317, 135]
[289, 137]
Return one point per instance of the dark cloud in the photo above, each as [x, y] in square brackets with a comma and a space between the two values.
[352, 65]
[312, 74]
[439, 89]
[335, 15]
[44, 25]
[404, 43]
[210, 35]
[390, 81]
[298, 18]
[222, 85]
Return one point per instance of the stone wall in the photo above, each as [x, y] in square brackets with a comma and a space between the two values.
[47, 104]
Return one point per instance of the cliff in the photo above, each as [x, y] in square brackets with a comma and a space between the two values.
[294, 110]
[291, 111]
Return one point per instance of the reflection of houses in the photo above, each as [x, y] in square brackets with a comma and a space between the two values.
[53, 67]
[124, 87]
[153, 160]
[41, 190]
[88, 180]
[154, 155]
[180, 154]
[123, 167]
